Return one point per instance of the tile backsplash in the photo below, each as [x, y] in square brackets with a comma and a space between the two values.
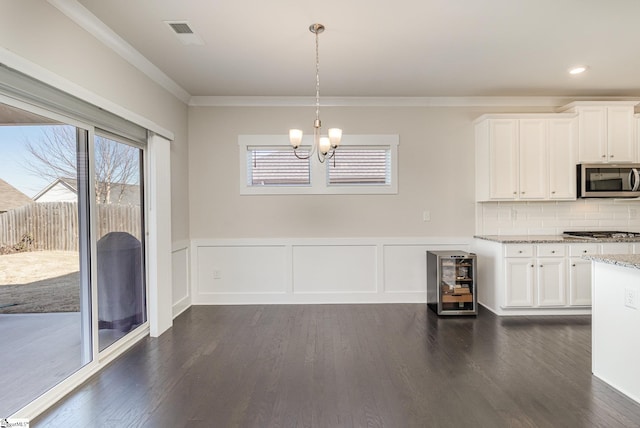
[553, 218]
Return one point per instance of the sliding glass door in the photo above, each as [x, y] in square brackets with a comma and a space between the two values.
[122, 303]
[72, 248]
[45, 294]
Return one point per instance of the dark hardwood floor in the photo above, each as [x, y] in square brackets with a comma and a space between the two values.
[392, 365]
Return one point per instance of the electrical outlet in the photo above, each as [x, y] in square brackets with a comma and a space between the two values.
[217, 274]
[426, 216]
[631, 298]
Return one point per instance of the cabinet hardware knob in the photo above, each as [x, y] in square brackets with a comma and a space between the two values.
[540, 265]
[515, 193]
[611, 155]
[553, 192]
[553, 252]
[522, 193]
[584, 251]
[574, 265]
[604, 156]
[519, 251]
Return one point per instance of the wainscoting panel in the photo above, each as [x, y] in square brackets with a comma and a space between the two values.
[405, 268]
[241, 269]
[181, 288]
[314, 270]
[334, 269]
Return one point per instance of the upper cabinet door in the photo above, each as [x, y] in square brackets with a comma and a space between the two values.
[620, 134]
[503, 158]
[533, 177]
[563, 144]
[592, 124]
[606, 134]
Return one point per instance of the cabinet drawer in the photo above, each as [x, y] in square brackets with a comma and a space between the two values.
[577, 250]
[616, 248]
[518, 250]
[551, 250]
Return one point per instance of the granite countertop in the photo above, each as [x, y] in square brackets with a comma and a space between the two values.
[528, 239]
[548, 239]
[626, 260]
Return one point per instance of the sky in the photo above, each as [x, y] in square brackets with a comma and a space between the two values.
[13, 157]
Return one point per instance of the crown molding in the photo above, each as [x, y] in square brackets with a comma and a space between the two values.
[243, 101]
[90, 23]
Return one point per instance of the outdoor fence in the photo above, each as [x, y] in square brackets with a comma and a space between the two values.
[53, 226]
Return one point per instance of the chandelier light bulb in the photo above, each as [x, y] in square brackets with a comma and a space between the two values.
[335, 135]
[324, 145]
[295, 137]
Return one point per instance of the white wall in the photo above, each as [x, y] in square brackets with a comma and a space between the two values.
[436, 170]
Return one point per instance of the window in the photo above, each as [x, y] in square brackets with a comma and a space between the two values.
[363, 164]
[277, 166]
[360, 166]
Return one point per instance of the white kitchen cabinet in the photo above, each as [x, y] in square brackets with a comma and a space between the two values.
[519, 274]
[563, 139]
[503, 158]
[535, 281]
[550, 281]
[533, 176]
[580, 269]
[579, 282]
[580, 273]
[539, 278]
[606, 131]
[551, 275]
[525, 157]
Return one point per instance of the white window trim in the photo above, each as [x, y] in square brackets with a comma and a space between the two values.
[319, 176]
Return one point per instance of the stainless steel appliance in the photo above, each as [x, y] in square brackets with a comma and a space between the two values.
[601, 234]
[608, 180]
[451, 282]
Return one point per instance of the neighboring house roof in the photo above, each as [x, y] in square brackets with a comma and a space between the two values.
[68, 183]
[11, 198]
[60, 188]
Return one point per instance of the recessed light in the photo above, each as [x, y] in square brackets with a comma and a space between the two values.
[578, 70]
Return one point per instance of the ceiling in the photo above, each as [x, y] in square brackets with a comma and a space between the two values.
[387, 48]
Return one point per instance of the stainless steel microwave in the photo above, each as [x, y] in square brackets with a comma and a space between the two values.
[599, 180]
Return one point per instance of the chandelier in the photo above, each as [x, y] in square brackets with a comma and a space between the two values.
[324, 146]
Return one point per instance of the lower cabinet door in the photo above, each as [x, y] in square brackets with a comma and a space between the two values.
[551, 274]
[519, 282]
[580, 282]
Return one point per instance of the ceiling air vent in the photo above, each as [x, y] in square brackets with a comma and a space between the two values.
[184, 33]
[181, 27]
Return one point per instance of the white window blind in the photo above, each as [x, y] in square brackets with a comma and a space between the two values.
[360, 166]
[277, 167]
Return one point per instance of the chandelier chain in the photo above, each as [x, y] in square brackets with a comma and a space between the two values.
[317, 79]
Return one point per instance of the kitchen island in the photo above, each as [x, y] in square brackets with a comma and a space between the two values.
[616, 321]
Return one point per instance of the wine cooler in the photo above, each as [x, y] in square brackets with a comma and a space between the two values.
[451, 282]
